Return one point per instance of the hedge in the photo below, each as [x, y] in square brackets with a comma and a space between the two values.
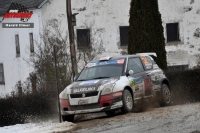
[185, 86]
[17, 109]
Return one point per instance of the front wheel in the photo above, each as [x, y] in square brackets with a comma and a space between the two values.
[68, 118]
[165, 95]
[127, 100]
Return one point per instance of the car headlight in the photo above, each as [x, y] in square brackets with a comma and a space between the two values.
[63, 95]
[108, 89]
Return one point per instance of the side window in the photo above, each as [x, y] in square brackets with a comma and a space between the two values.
[147, 62]
[135, 64]
[150, 63]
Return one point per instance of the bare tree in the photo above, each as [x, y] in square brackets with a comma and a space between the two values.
[43, 62]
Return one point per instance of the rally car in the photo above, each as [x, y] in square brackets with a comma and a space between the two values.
[113, 83]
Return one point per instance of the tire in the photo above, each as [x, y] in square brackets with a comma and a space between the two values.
[69, 118]
[110, 113]
[165, 96]
[127, 100]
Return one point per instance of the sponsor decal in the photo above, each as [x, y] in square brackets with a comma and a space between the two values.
[120, 62]
[111, 62]
[84, 90]
[133, 81]
[89, 82]
[144, 59]
[136, 87]
[138, 80]
[148, 88]
[90, 65]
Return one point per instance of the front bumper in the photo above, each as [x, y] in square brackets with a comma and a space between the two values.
[116, 105]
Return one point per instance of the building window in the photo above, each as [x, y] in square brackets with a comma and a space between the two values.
[83, 38]
[31, 42]
[17, 45]
[2, 81]
[124, 35]
[172, 32]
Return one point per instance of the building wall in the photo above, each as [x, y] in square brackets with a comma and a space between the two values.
[108, 15]
[102, 15]
[15, 68]
[187, 14]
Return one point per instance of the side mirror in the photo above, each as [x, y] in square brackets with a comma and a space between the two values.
[129, 72]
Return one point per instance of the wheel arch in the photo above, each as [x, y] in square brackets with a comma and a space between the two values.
[166, 81]
[130, 89]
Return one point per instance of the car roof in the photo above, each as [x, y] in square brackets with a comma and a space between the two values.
[118, 57]
[125, 56]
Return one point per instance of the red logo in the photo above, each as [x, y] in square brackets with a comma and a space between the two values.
[18, 11]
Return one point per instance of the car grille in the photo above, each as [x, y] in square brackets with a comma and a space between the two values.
[89, 94]
[83, 107]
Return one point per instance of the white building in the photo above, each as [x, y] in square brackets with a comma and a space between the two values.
[181, 20]
[17, 46]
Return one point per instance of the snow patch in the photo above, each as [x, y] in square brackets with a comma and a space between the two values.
[44, 127]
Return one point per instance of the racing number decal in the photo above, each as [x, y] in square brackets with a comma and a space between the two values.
[144, 59]
[148, 88]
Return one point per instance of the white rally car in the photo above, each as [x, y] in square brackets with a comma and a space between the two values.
[112, 83]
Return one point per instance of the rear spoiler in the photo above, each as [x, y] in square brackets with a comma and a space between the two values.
[148, 54]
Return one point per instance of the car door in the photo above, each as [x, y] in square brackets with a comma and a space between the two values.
[137, 79]
[148, 64]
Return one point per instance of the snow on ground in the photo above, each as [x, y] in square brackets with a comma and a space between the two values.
[171, 119]
[42, 127]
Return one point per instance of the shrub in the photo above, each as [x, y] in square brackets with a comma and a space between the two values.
[17, 109]
[146, 30]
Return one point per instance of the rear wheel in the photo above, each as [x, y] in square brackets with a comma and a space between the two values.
[68, 118]
[127, 100]
[165, 95]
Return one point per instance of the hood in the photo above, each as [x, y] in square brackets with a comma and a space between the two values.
[90, 85]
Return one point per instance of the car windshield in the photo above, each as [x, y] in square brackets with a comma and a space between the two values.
[101, 71]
